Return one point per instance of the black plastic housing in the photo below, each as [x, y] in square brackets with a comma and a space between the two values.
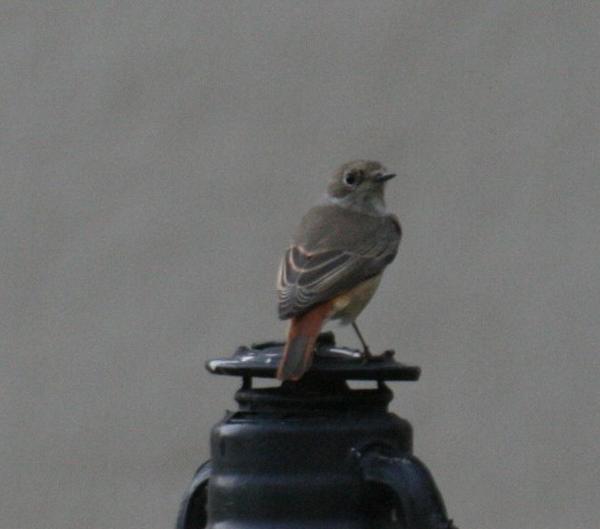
[313, 454]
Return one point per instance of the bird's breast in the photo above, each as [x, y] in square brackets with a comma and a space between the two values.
[348, 305]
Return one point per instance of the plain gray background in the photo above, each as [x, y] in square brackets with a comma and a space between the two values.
[155, 158]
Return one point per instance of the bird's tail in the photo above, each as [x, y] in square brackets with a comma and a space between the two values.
[302, 337]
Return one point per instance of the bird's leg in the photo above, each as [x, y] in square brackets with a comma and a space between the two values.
[366, 350]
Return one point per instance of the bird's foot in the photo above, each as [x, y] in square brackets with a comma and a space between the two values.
[368, 356]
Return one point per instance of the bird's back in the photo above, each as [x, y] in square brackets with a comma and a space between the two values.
[334, 249]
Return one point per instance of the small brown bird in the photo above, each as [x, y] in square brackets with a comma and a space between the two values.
[334, 265]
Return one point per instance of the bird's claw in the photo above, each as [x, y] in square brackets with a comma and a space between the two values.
[368, 356]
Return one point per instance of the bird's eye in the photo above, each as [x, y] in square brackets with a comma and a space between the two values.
[350, 179]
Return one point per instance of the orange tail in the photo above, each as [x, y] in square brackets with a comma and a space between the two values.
[300, 346]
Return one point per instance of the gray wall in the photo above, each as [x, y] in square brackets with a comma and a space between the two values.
[155, 157]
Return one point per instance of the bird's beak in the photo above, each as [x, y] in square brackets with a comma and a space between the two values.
[385, 177]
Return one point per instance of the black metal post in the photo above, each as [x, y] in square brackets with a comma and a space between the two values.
[313, 454]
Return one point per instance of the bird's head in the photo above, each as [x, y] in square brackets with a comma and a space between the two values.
[359, 185]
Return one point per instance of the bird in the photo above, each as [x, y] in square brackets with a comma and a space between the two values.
[335, 262]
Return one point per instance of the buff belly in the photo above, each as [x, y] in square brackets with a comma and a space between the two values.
[347, 306]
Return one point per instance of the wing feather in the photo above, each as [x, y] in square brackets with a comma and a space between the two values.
[308, 277]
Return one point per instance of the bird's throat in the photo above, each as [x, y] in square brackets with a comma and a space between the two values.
[367, 204]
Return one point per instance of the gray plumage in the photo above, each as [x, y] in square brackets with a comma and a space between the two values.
[335, 249]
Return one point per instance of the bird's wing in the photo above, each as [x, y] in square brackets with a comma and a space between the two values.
[309, 276]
